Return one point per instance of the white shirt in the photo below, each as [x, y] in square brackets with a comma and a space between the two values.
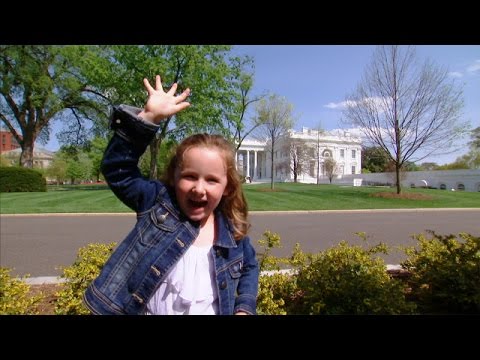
[189, 288]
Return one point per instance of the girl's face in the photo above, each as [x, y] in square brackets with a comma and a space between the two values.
[200, 183]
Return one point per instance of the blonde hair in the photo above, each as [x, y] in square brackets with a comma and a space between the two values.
[233, 205]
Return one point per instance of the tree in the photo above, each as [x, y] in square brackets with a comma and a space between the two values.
[94, 150]
[317, 149]
[209, 71]
[275, 116]
[475, 143]
[406, 109]
[374, 159]
[331, 169]
[472, 158]
[239, 126]
[298, 159]
[428, 166]
[39, 84]
[58, 168]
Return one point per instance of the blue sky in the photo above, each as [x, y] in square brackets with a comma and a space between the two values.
[316, 78]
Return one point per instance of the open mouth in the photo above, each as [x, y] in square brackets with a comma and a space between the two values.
[197, 204]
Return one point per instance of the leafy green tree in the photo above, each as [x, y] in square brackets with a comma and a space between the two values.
[475, 143]
[406, 109]
[237, 122]
[94, 150]
[458, 164]
[57, 169]
[207, 70]
[375, 159]
[428, 166]
[472, 158]
[40, 84]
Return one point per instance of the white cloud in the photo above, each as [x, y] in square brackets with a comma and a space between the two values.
[340, 105]
[456, 74]
[475, 67]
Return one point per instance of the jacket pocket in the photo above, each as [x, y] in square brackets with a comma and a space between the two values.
[156, 225]
[163, 219]
[235, 269]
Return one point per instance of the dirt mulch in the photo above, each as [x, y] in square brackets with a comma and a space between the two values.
[47, 305]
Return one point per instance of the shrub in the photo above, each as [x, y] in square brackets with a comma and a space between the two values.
[14, 298]
[347, 280]
[445, 273]
[20, 179]
[90, 260]
[276, 290]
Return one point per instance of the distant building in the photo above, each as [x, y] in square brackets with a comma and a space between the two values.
[254, 159]
[42, 158]
[7, 141]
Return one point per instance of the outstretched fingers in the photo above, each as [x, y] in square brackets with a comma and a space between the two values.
[149, 87]
[158, 83]
[183, 96]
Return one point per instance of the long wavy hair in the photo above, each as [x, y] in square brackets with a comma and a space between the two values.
[233, 205]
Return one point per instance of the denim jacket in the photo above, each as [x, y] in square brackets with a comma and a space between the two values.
[161, 235]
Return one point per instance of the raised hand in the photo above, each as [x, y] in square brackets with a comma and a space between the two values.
[161, 104]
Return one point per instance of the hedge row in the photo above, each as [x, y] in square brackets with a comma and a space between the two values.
[20, 179]
[439, 276]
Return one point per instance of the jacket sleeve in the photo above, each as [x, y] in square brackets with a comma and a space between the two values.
[120, 161]
[247, 289]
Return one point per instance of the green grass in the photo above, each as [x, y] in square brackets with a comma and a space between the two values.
[286, 196]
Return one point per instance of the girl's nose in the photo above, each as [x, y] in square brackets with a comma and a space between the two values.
[199, 189]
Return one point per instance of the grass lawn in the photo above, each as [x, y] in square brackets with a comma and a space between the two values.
[285, 196]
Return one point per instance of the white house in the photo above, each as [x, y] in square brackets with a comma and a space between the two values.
[310, 147]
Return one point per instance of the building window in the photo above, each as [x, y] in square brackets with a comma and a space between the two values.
[327, 153]
[443, 187]
[353, 169]
[354, 154]
[460, 187]
[342, 153]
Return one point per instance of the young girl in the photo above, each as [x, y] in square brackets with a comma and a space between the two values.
[188, 252]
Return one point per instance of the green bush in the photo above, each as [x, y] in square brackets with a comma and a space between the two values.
[90, 260]
[20, 179]
[276, 290]
[347, 280]
[14, 296]
[445, 273]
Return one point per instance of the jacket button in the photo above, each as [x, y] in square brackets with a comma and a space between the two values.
[161, 218]
[218, 252]
[118, 121]
[223, 285]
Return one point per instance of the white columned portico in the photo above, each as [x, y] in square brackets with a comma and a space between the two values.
[255, 164]
[248, 163]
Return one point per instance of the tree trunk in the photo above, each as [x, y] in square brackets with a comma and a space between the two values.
[272, 183]
[26, 158]
[397, 176]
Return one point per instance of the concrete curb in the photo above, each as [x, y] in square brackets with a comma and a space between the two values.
[44, 280]
[130, 214]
